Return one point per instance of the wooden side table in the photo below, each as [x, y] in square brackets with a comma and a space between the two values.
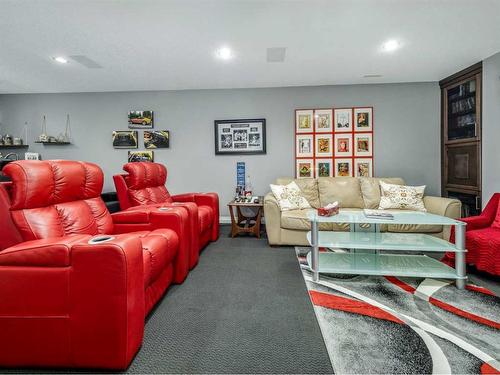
[244, 224]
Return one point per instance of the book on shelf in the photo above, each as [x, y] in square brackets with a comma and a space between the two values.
[378, 214]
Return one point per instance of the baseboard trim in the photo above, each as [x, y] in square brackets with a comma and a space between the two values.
[224, 220]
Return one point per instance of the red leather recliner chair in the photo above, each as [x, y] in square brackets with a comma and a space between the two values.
[145, 185]
[69, 295]
[482, 239]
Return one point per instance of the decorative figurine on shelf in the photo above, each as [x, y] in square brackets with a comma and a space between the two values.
[43, 137]
[18, 141]
[7, 140]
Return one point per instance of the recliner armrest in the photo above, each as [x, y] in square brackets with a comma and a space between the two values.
[50, 252]
[131, 216]
[476, 222]
[186, 197]
[203, 199]
[159, 216]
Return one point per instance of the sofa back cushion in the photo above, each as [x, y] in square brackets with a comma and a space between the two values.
[308, 188]
[345, 190]
[370, 188]
[402, 197]
[55, 198]
[146, 183]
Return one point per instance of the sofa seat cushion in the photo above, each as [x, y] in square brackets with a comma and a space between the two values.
[297, 220]
[308, 187]
[370, 188]
[345, 190]
[205, 217]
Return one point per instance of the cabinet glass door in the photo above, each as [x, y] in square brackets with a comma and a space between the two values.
[462, 111]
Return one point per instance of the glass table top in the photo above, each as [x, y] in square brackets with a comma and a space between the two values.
[404, 217]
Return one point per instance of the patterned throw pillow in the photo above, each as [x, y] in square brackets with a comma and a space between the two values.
[289, 197]
[401, 197]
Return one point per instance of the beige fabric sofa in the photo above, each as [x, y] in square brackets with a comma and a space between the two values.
[353, 193]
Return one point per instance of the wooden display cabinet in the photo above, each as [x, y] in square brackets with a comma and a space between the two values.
[461, 138]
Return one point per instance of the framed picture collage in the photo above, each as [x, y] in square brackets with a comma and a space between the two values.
[153, 139]
[334, 142]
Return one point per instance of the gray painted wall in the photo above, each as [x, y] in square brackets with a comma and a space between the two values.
[491, 127]
[406, 125]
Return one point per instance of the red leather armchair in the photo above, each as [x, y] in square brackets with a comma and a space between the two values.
[144, 185]
[74, 292]
[482, 239]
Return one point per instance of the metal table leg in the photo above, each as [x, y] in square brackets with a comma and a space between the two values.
[315, 250]
[460, 256]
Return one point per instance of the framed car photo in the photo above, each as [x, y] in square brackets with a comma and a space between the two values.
[240, 137]
[140, 120]
[135, 156]
[156, 139]
[125, 139]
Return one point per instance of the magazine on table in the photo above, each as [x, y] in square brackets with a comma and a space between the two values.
[378, 214]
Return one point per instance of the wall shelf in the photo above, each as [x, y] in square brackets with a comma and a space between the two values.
[14, 146]
[54, 143]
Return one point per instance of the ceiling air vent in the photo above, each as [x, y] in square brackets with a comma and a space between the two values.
[85, 61]
[276, 54]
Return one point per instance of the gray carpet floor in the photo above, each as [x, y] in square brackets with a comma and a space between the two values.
[243, 309]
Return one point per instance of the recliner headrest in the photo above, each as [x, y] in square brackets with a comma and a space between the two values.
[43, 183]
[145, 175]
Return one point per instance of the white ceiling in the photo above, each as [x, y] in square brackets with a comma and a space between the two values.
[163, 45]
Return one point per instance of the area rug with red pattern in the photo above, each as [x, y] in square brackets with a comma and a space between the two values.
[381, 325]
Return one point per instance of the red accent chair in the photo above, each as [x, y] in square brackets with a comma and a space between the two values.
[482, 239]
[145, 185]
[73, 291]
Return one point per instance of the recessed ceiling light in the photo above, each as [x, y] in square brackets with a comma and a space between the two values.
[60, 60]
[224, 53]
[391, 45]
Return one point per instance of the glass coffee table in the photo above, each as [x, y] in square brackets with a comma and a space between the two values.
[366, 244]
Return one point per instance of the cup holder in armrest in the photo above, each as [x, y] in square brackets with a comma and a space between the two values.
[100, 239]
[164, 208]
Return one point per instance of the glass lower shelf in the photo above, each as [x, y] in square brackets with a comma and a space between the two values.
[383, 265]
[383, 241]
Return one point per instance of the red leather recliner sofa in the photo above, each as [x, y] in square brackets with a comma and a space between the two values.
[75, 289]
[144, 184]
[482, 239]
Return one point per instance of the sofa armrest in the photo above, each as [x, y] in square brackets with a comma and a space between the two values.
[448, 207]
[272, 214]
[443, 206]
